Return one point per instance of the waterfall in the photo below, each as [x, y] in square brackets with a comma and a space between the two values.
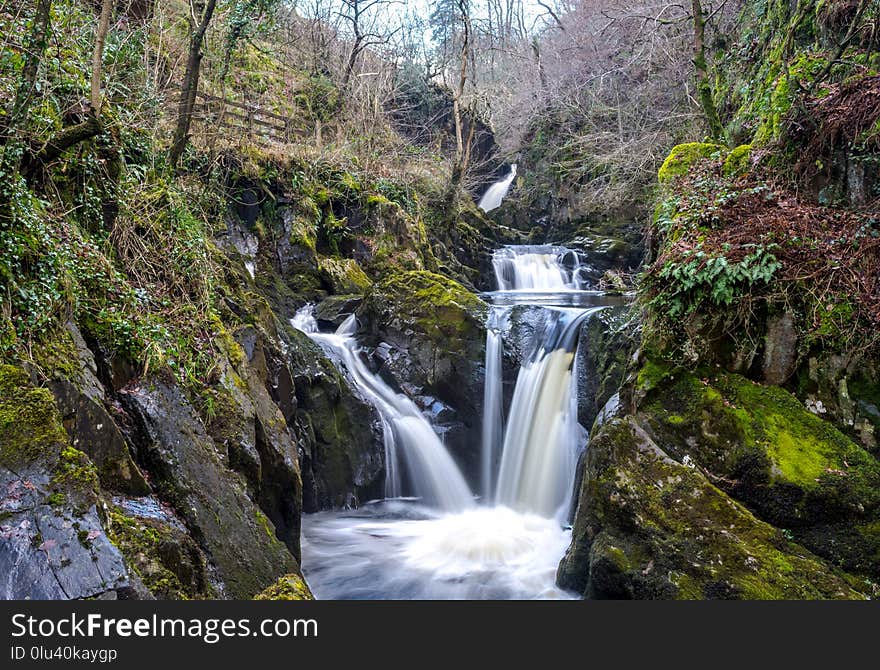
[543, 436]
[492, 198]
[537, 268]
[540, 443]
[493, 418]
[510, 545]
[407, 435]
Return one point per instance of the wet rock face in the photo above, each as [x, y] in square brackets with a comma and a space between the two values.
[52, 540]
[83, 404]
[340, 442]
[251, 430]
[158, 549]
[780, 349]
[607, 342]
[236, 535]
[649, 527]
[52, 553]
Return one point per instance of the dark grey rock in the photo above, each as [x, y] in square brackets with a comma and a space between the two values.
[210, 499]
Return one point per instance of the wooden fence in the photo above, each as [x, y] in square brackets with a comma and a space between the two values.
[248, 120]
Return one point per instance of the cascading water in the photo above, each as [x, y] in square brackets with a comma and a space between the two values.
[407, 434]
[443, 545]
[543, 436]
[495, 194]
[493, 400]
[537, 268]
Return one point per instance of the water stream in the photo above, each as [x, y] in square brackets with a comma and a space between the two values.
[432, 537]
[495, 194]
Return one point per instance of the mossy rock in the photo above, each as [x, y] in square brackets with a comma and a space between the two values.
[651, 527]
[439, 307]
[30, 427]
[737, 161]
[288, 587]
[683, 156]
[430, 336]
[344, 276]
[761, 445]
[167, 560]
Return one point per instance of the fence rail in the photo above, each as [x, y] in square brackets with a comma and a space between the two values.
[243, 118]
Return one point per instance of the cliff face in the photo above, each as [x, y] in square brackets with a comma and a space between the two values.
[749, 415]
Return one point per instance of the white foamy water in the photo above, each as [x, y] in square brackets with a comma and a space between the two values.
[537, 268]
[398, 550]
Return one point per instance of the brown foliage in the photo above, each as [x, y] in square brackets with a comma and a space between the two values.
[829, 253]
[840, 119]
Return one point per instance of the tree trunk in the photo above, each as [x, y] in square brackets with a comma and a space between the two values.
[33, 53]
[704, 88]
[98, 55]
[68, 137]
[462, 153]
[190, 86]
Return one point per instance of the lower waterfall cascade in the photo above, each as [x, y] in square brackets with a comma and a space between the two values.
[431, 537]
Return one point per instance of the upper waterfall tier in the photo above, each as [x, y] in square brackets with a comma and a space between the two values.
[495, 194]
[537, 268]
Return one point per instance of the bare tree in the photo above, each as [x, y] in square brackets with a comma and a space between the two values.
[98, 55]
[199, 18]
[466, 65]
[363, 19]
[704, 88]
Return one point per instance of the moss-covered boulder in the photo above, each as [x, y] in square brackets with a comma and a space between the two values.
[429, 334]
[343, 275]
[52, 540]
[762, 446]
[650, 526]
[289, 587]
[738, 161]
[682, 156]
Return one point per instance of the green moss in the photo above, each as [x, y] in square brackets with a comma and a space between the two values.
[802, 447]
[692, 540]
[288, 587]
[682, 156]
[344, 275]
[834, 325]
[75, 471]
[303, 232]
[30, 426]
[378, 200]
[782, 86]
[652, 372]
[264, 523]
[158, 555]
[439, 306]
[737, 161]
[57, 499]
[55, 353]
